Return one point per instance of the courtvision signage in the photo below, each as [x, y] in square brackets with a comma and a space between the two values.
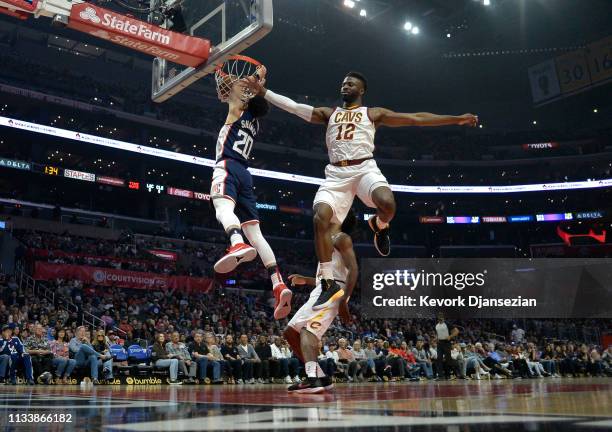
[180, 157]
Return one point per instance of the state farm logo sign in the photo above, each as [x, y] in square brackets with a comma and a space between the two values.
[139, 35]
[124, 25]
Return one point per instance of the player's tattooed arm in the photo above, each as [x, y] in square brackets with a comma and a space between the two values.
[299, 280]
[386, 117]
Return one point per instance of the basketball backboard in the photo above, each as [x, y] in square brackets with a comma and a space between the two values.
[230, 25]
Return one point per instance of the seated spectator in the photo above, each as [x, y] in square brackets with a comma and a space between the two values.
[177, 349]
[362, 360]
[203, 358]
[61, 356]
[264, 352]
[251, 364]
[345, 356]
[215, 355]
[84, 353]
[40, 353]
[375, 360]
[161, 359]
[232, 357]
[106, 359]
[327, 365]
[12, 347]
[279, 353]
[423, 359]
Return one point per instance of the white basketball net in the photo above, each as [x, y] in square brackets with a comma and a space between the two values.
[232, 71]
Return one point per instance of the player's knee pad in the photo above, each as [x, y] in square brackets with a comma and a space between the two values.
[224, 210]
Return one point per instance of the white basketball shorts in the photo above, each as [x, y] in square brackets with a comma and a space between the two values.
[315, 321]
[343, 183]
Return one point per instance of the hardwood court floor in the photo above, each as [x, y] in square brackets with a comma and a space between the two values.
[583, 404]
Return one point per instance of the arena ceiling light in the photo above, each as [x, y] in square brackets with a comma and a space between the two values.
[408, 26]
[363, 13]
[486, 2]
[349, 4]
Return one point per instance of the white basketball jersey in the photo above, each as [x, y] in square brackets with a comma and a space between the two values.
[350, 135]
[340, 271]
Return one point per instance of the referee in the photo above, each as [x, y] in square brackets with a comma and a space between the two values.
[444, 347]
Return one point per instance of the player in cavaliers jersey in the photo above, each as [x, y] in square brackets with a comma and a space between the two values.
[308, 325]
[232, 187]
[352, 169]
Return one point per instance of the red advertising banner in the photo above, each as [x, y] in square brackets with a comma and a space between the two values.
[120, 278]
[180, 192]
[164, 254]
[139, 35]
[113, 181]
[23, 4]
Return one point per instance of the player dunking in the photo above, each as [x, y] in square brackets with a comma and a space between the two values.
[232, 185]
[352, 169]
[307, 326]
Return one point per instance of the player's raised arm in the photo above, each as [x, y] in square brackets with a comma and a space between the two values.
[386, 117]
[306, 112]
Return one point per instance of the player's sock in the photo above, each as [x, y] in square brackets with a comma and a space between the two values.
[275, 275]
[326, 270]
[311, 369]
[380, 224]
[235, 236]
[320, 373]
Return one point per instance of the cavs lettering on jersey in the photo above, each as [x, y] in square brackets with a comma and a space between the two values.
[236, 139]
[350, 135]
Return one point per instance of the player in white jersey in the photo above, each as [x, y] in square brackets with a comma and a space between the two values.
[308, 325]
[352, 169]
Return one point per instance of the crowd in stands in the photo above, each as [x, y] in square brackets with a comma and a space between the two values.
[229, 336]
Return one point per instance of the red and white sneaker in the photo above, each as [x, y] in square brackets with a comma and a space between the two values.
[282, 301]
[239, 253]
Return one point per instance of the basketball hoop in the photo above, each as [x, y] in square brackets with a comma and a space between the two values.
[233, 70]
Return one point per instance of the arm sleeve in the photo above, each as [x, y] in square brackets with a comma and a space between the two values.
[289, 105]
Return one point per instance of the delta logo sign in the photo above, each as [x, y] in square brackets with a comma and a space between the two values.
[139, 35]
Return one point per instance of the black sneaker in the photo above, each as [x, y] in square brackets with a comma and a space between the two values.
[330, 291]
[382, 241]
[311, 385]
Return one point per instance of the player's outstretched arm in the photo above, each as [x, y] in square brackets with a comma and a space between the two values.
[306, 112]
[386, 117]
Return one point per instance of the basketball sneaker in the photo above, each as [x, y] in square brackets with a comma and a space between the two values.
[239, 253]
[311, 385]
[382, 241]
[282, 301]
[330, 292]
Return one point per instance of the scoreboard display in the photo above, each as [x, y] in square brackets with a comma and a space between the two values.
[52, 170]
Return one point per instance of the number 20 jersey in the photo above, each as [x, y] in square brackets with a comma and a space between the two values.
[236, 139]
[350, 135]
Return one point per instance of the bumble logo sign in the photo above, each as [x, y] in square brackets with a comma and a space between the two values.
[141, 381]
